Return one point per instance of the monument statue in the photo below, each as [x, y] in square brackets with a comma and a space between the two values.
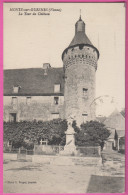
[70, 148]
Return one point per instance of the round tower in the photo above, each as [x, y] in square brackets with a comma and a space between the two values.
[80, 65]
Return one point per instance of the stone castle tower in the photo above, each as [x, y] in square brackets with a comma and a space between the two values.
[80, 65]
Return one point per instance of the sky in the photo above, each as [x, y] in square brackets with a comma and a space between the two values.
[31, 40]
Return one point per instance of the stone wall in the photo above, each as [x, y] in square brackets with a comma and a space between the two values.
[38, 107]
[80, 64]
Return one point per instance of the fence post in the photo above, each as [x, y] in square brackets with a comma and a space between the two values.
[59, 148]
[99, 150]
[34, 150]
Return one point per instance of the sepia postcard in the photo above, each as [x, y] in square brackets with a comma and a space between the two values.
[64, 97]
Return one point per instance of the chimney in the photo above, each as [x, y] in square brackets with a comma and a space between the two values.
[46, 66]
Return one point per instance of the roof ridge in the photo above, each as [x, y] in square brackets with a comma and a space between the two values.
[32, 68]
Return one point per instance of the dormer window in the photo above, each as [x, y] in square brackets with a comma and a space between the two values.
[56, 100]
[16, 89]
[57, 88]
[85, 92]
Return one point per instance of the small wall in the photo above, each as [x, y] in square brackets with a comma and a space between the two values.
[67, 161]
[8, 156]
[89, 151]
[56, 160]
[46, 149]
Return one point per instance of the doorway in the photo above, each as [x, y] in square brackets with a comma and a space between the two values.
[12, 117]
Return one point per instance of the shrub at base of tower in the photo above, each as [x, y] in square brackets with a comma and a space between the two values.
[92, 133]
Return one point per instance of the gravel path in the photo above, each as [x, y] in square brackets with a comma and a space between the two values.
[31, 177]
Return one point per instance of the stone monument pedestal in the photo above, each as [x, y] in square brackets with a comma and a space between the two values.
[69, 148]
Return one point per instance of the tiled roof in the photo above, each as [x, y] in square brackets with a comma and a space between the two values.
[33, 81]
[101, 119]
[80, 38]
[120, 133]
[112, 134]
[115, 121]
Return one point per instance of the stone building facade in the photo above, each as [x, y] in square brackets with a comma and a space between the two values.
[33, 94]
[47, 93]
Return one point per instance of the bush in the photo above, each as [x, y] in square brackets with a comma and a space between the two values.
[34, 131]
[91, 133]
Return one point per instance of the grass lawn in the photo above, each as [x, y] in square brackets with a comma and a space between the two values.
[103, 184]
[112, 155]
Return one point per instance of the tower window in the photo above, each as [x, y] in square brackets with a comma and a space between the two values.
[57, 88]
[81, 47]
[55, 115]
[56, 100]
[84, 117]
[85, 91]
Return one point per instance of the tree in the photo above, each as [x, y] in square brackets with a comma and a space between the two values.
[92, 133]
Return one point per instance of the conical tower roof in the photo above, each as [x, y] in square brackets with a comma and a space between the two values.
[80, 37]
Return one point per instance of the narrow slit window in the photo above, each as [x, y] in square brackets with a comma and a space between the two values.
[55, 115]
[84, 117]
[85, 92]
